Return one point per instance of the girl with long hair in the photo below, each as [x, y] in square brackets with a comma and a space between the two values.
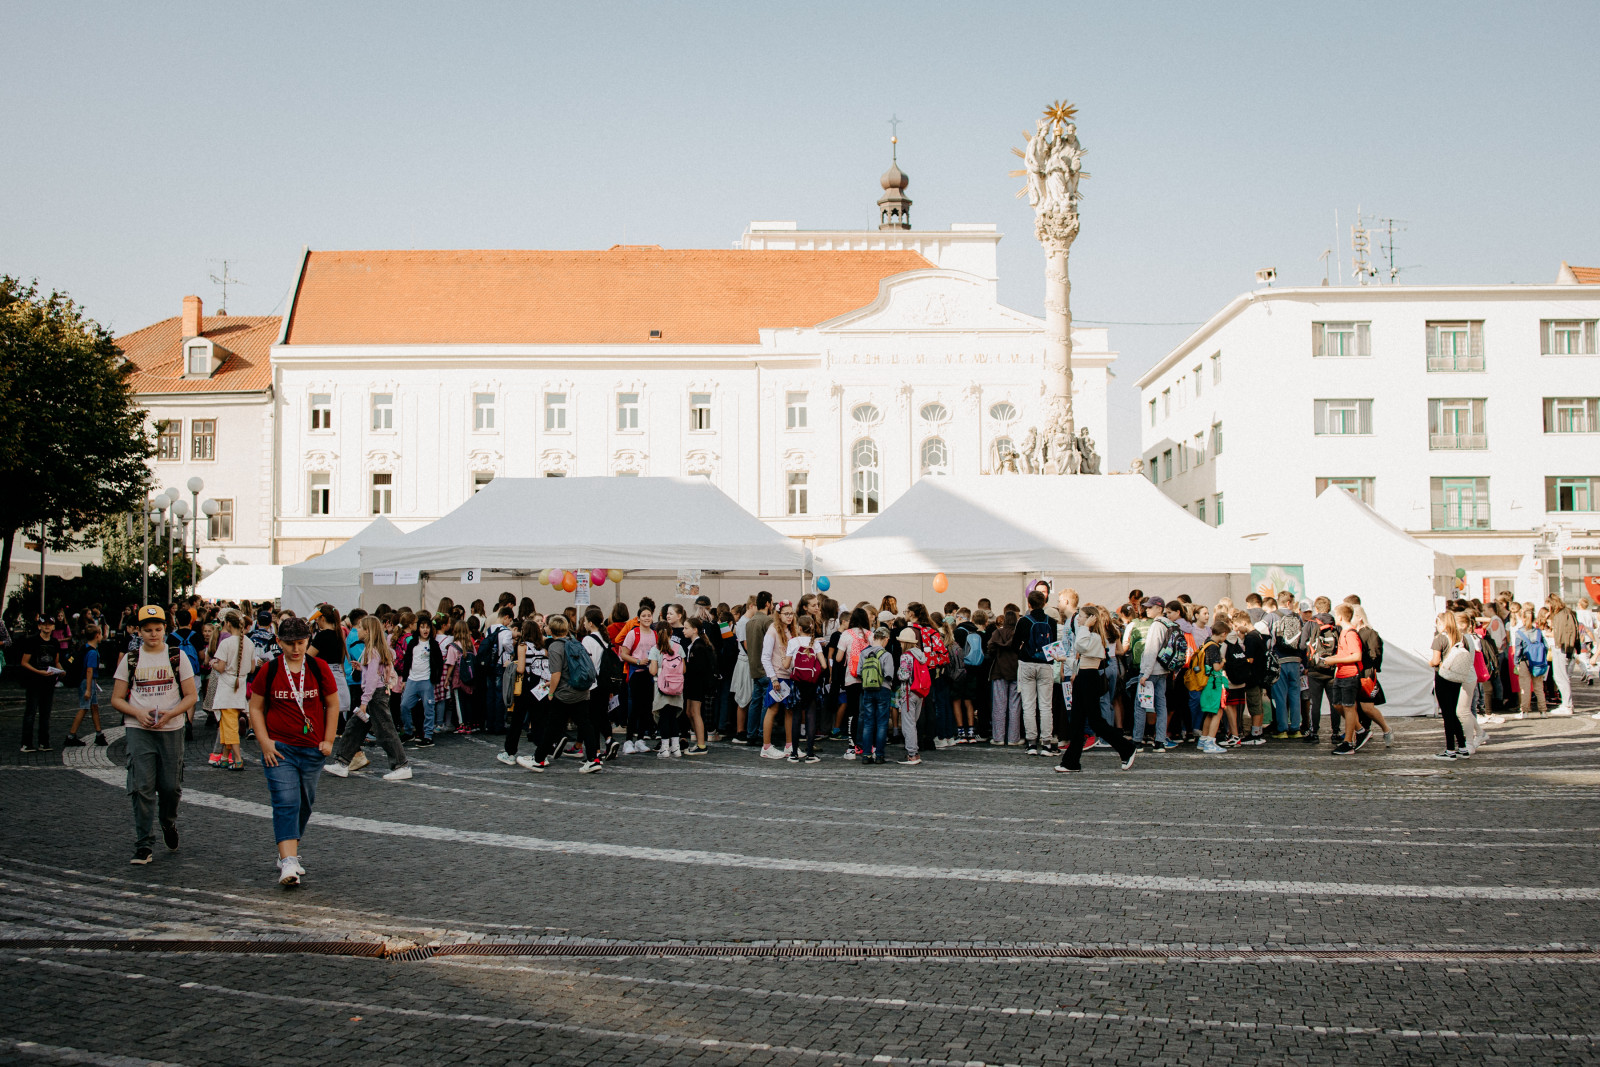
[1005, 700]
[528, 707]
[1447, 634]
[776, 663]
[231, 663]
[1091, 647]
[377, 664]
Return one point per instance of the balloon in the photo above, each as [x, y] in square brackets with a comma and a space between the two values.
[556, 574]
[1461, 572]
[569, 582]
[940, 582]
[615, 574]
[597, 576]
[544, 577]
[823, 583]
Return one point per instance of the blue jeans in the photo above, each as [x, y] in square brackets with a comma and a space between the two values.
[1286, 695]
[1108, 673]
[293, 784]
[423, 691]
[874, 728]
[1158, 682]
[759, 690]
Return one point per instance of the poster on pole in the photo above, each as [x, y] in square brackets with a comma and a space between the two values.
[688, 585]
[580, 595]
[1270, 579]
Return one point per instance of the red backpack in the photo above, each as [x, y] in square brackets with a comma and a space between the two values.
[921, 680]
[807, 665]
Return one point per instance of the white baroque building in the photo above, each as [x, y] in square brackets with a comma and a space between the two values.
[812, 375]
[1466, 415]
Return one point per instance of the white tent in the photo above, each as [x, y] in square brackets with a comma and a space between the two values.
[242, 581]
[1346, 547]
[650, 528]
[1102, 535]
[335, 576]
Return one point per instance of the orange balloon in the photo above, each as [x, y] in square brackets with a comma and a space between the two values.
[940, 582]
[570, 582]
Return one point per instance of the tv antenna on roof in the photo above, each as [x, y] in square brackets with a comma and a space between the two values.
[1360, 248]
[1385, 229]
[225, 280]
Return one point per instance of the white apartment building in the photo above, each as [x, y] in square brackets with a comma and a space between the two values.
[1467, 415]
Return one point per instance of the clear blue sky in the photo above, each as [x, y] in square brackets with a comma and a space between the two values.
[145, 143]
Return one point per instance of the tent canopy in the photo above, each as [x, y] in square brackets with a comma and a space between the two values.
[242, 581]
[335, 576]
[1011, 524]
[649, 524]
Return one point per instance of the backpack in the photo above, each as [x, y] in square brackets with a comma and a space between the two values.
[613, 673]
[858, 645]
[1174, 651]
[807, 666]
[1195, 676]
[273, 666]
[73, 662]
[871, 665]
[467, 669]
[1273, 667]
[973, 650]
[187, 644]
[1038, 636]
[577, 669]
[487, 654]
[669, 679]
[921, 680]
[1535, 653]
[1325, 643]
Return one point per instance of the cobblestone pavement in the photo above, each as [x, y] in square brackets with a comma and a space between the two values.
[1267, 906]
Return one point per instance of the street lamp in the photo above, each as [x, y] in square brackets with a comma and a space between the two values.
[180, 511]
[195, 485]
[151, 517]
[163, 502]
[209, 509]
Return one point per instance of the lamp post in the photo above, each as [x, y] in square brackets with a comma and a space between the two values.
[180, 512]
[150, 518]
[209, 509]
[163, 502]
[195, 484]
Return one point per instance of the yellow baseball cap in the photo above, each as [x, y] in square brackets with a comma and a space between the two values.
[151, 612]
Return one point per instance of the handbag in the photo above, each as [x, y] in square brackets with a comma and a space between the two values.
[1458, 665]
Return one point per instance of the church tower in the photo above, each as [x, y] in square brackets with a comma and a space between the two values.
[894, 207]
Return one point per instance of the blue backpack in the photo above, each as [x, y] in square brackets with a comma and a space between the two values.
[1534, 652]
[1040, 633]
[577, 671]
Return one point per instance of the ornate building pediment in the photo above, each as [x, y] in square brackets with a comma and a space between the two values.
[382, 460]
[936, 301]
[321, 459]
[486, 460]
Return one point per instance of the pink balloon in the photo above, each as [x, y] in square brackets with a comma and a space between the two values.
[597, 576]
[556, 576]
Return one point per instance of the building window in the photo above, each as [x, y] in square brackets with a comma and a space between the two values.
[321, 493]
[1153, 468]
[1199, 449]
[200, 361]
[934, 412]
[1571, 414]
[481, 479]
[555, 411]
[1152, 411]
[219, 527]
[1565, 575]
[795, 410]
[699, 411]
[1197, 379]
[555, 474]
[1456, 424]
[1571, 494]
[1216, 507]
[935, 457]
[322, 411]
[1455, 345]
[1166, 402]
[1166, 465]
[627, 411]
[1341, 417]
[999, 449]
[1181, 388]
[1360, 488]
[383, 411]
[797, 492]
[1216, 441]
[382, 493]
[169, 439]
[865, 414]
[1200, 509]
[202, 438]
[1459, 503]
[1341, 339]
[1216, 368]
[1183, 459]
[864, 476]
[1004, 411]
[483, 411]
[1567, 337]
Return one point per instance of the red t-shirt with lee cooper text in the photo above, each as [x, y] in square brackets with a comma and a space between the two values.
[295, 711]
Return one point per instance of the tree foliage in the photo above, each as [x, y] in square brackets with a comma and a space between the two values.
[73, 442]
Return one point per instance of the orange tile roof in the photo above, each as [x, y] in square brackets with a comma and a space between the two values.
[1586, 275]
[243, 341]
[616, 296]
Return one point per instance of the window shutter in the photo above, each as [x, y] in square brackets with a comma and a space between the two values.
[1588, 338]
[1549, 414]
[1478, 423]
[1317, 340]
[1475, 337]
[1433, 339]
[1434, 409]
[1365, 407]
[1546, 337]
[1436, 491]
[1319, 417]
[1551, 495]
[1592, 415]
[1363, 339]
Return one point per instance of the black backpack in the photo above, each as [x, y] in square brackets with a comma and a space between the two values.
[74, 662]
[613, 675]
[487, 656]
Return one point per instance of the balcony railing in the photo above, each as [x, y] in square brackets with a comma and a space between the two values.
[1448, 362]
[1458, 442]
[1460, 516]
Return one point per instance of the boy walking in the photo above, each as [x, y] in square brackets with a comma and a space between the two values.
[877, 692]
[154, 690]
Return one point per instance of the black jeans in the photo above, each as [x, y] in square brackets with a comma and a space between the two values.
[1087, 686]
[594, 726]
[550, 719]
[804, 711]
[1448, 693]
[526, 711]
[38, 700]
[641, 694]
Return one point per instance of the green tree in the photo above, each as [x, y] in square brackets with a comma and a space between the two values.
[73, 443]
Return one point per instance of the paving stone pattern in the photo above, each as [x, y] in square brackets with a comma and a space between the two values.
[1422, 871]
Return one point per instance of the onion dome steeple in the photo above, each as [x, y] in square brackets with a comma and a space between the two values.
[894, 207]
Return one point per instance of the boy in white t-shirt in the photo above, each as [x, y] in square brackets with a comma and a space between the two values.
[154, 690]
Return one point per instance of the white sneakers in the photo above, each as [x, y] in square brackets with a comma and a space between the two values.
[771, 752]
[289, 870]
[1563, 710]
[528, 763]
[399, 774]
[507, 758]
[359, 760]
[335, 768]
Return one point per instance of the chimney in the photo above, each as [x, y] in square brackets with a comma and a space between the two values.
[191, 317]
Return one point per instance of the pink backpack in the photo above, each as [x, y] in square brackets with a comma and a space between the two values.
[807, 666]
[669, 679]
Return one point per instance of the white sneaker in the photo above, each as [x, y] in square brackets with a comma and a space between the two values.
[358, 761]
[1495, 720]
[1519, 715]
[528, 763]
[628, 748]
[769, 752]
[1596, 715]
[335, 768]
[507, 758]
[289, 871]
[399, 774]
[677, 748]
[788, 750]
[590, 767]
[1563, 710]
[665, 751]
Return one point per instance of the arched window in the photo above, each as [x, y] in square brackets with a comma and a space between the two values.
[935, 456]
[934, 412]
[865, 414]
[998, 450]
[1004, 411]
[864, 476]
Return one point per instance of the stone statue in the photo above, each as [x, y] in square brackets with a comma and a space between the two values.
[1030, 452]
[1091, 458]
[1034, 158]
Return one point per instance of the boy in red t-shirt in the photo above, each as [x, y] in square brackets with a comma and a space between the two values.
[294, 710]
[1346, 690]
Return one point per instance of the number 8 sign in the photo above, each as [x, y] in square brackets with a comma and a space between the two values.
[471, 576]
